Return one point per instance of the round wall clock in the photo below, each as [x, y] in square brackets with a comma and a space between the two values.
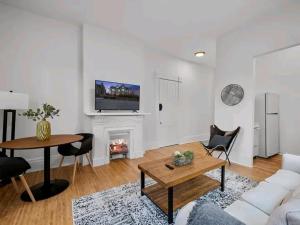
[232, 94]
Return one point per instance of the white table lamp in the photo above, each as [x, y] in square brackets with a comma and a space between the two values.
[13, 101]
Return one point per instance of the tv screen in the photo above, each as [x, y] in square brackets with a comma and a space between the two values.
[116, 96]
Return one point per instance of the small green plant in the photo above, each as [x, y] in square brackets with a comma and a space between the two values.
[186, 154]
[47, 111]
[181, 159]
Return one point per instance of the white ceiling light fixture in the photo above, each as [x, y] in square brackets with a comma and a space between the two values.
[199, 54]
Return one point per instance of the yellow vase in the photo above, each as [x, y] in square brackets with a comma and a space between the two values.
[43, 130]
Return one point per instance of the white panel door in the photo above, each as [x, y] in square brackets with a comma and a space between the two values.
[272, 134]
[168, 112]
[272, 103]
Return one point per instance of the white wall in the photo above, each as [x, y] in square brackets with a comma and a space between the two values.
[235, 53]
[196, 96]
[109, 56]
[41, 57]
[279, 72]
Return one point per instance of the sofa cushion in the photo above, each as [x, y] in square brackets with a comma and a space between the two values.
[286, 214]
[247, 213]
[265, 196]
[286, 178]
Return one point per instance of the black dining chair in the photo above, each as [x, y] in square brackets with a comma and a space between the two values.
[70, 150]
[221, 141]
[11, 167]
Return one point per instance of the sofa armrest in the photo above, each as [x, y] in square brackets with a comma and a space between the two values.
[291, 162]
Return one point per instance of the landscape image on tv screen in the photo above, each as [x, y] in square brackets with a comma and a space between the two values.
[116, 96]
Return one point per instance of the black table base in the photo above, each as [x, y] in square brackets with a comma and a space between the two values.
[41, 192]
[49, 187]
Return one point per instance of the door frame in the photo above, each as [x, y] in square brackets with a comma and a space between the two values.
[177, 79]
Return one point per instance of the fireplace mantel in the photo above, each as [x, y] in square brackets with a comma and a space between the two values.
[117, 113]
[105, 123]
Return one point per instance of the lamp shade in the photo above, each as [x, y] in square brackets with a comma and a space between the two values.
[12, 100]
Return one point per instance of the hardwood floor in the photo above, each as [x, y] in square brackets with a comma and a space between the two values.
[58, 210]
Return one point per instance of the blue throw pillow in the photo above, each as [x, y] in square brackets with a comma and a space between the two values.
[210, 214]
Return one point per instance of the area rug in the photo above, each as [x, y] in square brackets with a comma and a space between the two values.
[124, 204]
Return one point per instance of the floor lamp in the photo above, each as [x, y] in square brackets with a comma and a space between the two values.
[10, 102]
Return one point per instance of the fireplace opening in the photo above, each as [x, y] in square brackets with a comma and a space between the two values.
[119, 145]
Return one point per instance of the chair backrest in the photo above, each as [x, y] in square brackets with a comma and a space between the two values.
[214, 130]
[86, 143]
[2, 154]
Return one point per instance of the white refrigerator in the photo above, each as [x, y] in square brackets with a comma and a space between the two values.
[267, 116]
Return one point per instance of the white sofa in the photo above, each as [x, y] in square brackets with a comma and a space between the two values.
[256, 205]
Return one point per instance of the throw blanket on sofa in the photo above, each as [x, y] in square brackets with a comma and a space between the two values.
[210, 214]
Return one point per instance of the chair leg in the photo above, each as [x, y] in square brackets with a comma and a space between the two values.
[78, 163]
[220, 155]
[27, 188]
[88, 158]
[209, 153]
[227, 158]
[13, 180]
[61, 161]
[74, 169]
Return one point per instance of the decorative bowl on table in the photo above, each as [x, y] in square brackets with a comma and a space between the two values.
[182, 159]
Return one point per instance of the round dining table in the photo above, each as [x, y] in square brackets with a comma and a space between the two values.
[49, 187]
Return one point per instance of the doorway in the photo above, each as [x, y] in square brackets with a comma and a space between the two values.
[168, 122]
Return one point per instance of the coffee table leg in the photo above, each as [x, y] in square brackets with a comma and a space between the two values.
[142, 182]
[222, 178]
[170, 205]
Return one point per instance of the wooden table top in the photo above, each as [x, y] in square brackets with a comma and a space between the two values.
[33, 143]
[169, 178]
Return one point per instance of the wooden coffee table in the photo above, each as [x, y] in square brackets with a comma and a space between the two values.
[175, 188]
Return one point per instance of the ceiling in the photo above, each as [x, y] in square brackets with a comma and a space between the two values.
[178, 27]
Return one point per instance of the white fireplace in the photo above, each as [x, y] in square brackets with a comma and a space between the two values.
[111, 129]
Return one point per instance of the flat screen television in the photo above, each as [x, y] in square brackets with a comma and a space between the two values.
[116, 96]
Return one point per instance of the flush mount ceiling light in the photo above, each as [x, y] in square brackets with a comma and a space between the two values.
[199, 54]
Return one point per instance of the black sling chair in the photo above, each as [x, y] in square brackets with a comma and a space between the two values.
[221, 141]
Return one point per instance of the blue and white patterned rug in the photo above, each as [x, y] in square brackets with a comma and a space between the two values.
[124, 204]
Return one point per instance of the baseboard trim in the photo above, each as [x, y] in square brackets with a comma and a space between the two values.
[99, 161]
[37, 164]
[137, 155]
[194, 138]
[151, 145]
[233, 161]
